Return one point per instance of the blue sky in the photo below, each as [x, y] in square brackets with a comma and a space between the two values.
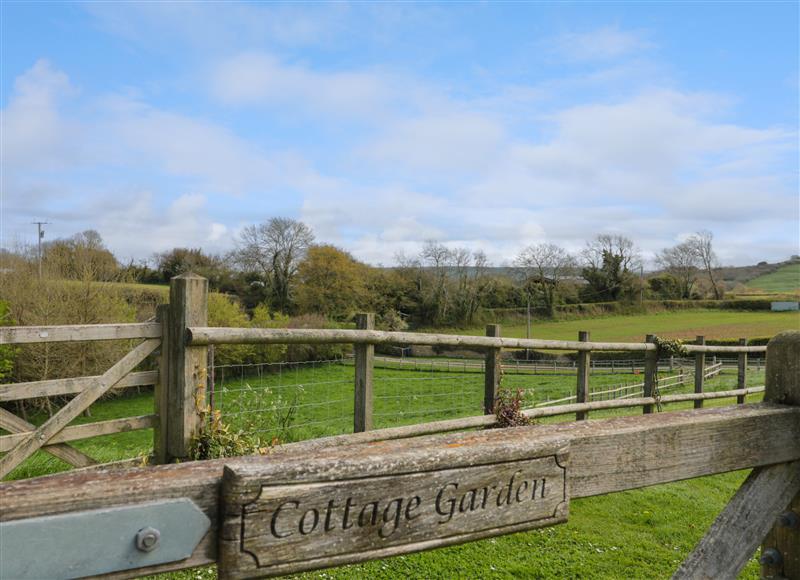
[484, 125]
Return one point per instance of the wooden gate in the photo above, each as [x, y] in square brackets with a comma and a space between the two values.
[379, 493]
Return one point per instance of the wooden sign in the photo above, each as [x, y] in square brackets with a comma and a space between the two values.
[390, 498]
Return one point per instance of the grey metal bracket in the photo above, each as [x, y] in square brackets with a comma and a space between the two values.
[101, 541]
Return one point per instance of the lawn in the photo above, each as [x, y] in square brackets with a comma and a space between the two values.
[785, 279]
[636, 534]
[682, 324]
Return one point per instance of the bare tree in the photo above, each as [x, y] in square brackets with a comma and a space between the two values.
[702, 243]
[275, 249]
[544, 267]
[615, 245]
[439, 259]
[681, 261]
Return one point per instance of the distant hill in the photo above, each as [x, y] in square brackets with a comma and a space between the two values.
[786, 278]
[733, 275]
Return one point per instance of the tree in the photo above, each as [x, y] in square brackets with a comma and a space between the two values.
[275, 250]
[331, 282]
[544, 267]
[681, 262]
[702, 244]
[80, 256]
[472, 284]
[609, 264]
[179, 261]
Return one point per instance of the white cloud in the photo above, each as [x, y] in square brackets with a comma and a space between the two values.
[596, 45]
[261, 79]
[34, 134]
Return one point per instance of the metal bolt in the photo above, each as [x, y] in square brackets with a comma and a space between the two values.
[147, 539]
[789, 520]
[771, 557]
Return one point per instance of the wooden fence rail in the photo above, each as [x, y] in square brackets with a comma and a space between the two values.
[573, 459]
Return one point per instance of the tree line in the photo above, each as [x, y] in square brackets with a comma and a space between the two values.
[280, 264]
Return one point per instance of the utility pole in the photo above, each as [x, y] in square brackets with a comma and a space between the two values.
[39, 238]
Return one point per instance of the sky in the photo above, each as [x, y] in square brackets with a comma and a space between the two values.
[488, 126]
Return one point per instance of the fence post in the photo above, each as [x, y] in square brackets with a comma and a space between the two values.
[650, 372]
[187, 367]
[741, 381]
[364, 360]
[582, 393]
[783, 386]
[161, 389]
[493, 371]
[699, 371]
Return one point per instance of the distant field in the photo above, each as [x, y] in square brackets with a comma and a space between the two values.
[681, 324]
[785, 279]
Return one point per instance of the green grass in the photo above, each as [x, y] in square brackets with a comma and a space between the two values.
[636, 534]
[682, 324]
[785, 279]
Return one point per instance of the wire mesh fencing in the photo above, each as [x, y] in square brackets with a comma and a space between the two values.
[303, 400]
[285, 401]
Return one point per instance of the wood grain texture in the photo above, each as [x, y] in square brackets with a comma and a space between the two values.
[56, 387]
[379, 502]
[786, 540]
[206, 335]
[14, 424]
[364, 362]
[187, 367]
[783, 386]
[699, 372]
[77, 332]
[493, 372]
[742, 525]
[741, 374]
[650, 373]
[85, 431]
[42, 435]
[605, 456]
[584, 368]
[161, 391]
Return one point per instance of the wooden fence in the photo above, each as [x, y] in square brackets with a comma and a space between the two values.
[264, 516]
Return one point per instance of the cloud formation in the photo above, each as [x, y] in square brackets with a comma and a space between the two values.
[410, 158]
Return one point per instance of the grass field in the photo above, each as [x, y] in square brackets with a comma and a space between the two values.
[785, 279]
[637, 534]
[681, 324]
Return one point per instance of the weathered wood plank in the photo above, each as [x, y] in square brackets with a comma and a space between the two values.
[650, 373]
[584, 368]
[161, 391]
[187, 367]
[605, 456]
[741, 374]
[76, 406]
[492, 371]
[372, 504]
[739, 529]
[785, 538]
[747, 518]
[699, 372]
[71, 386]
[85, 431]
[206, 335]
[364, 361]
[783, 386]
[78, 332]
[14, 424]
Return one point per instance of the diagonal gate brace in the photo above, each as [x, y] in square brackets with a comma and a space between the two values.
[742, 525]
